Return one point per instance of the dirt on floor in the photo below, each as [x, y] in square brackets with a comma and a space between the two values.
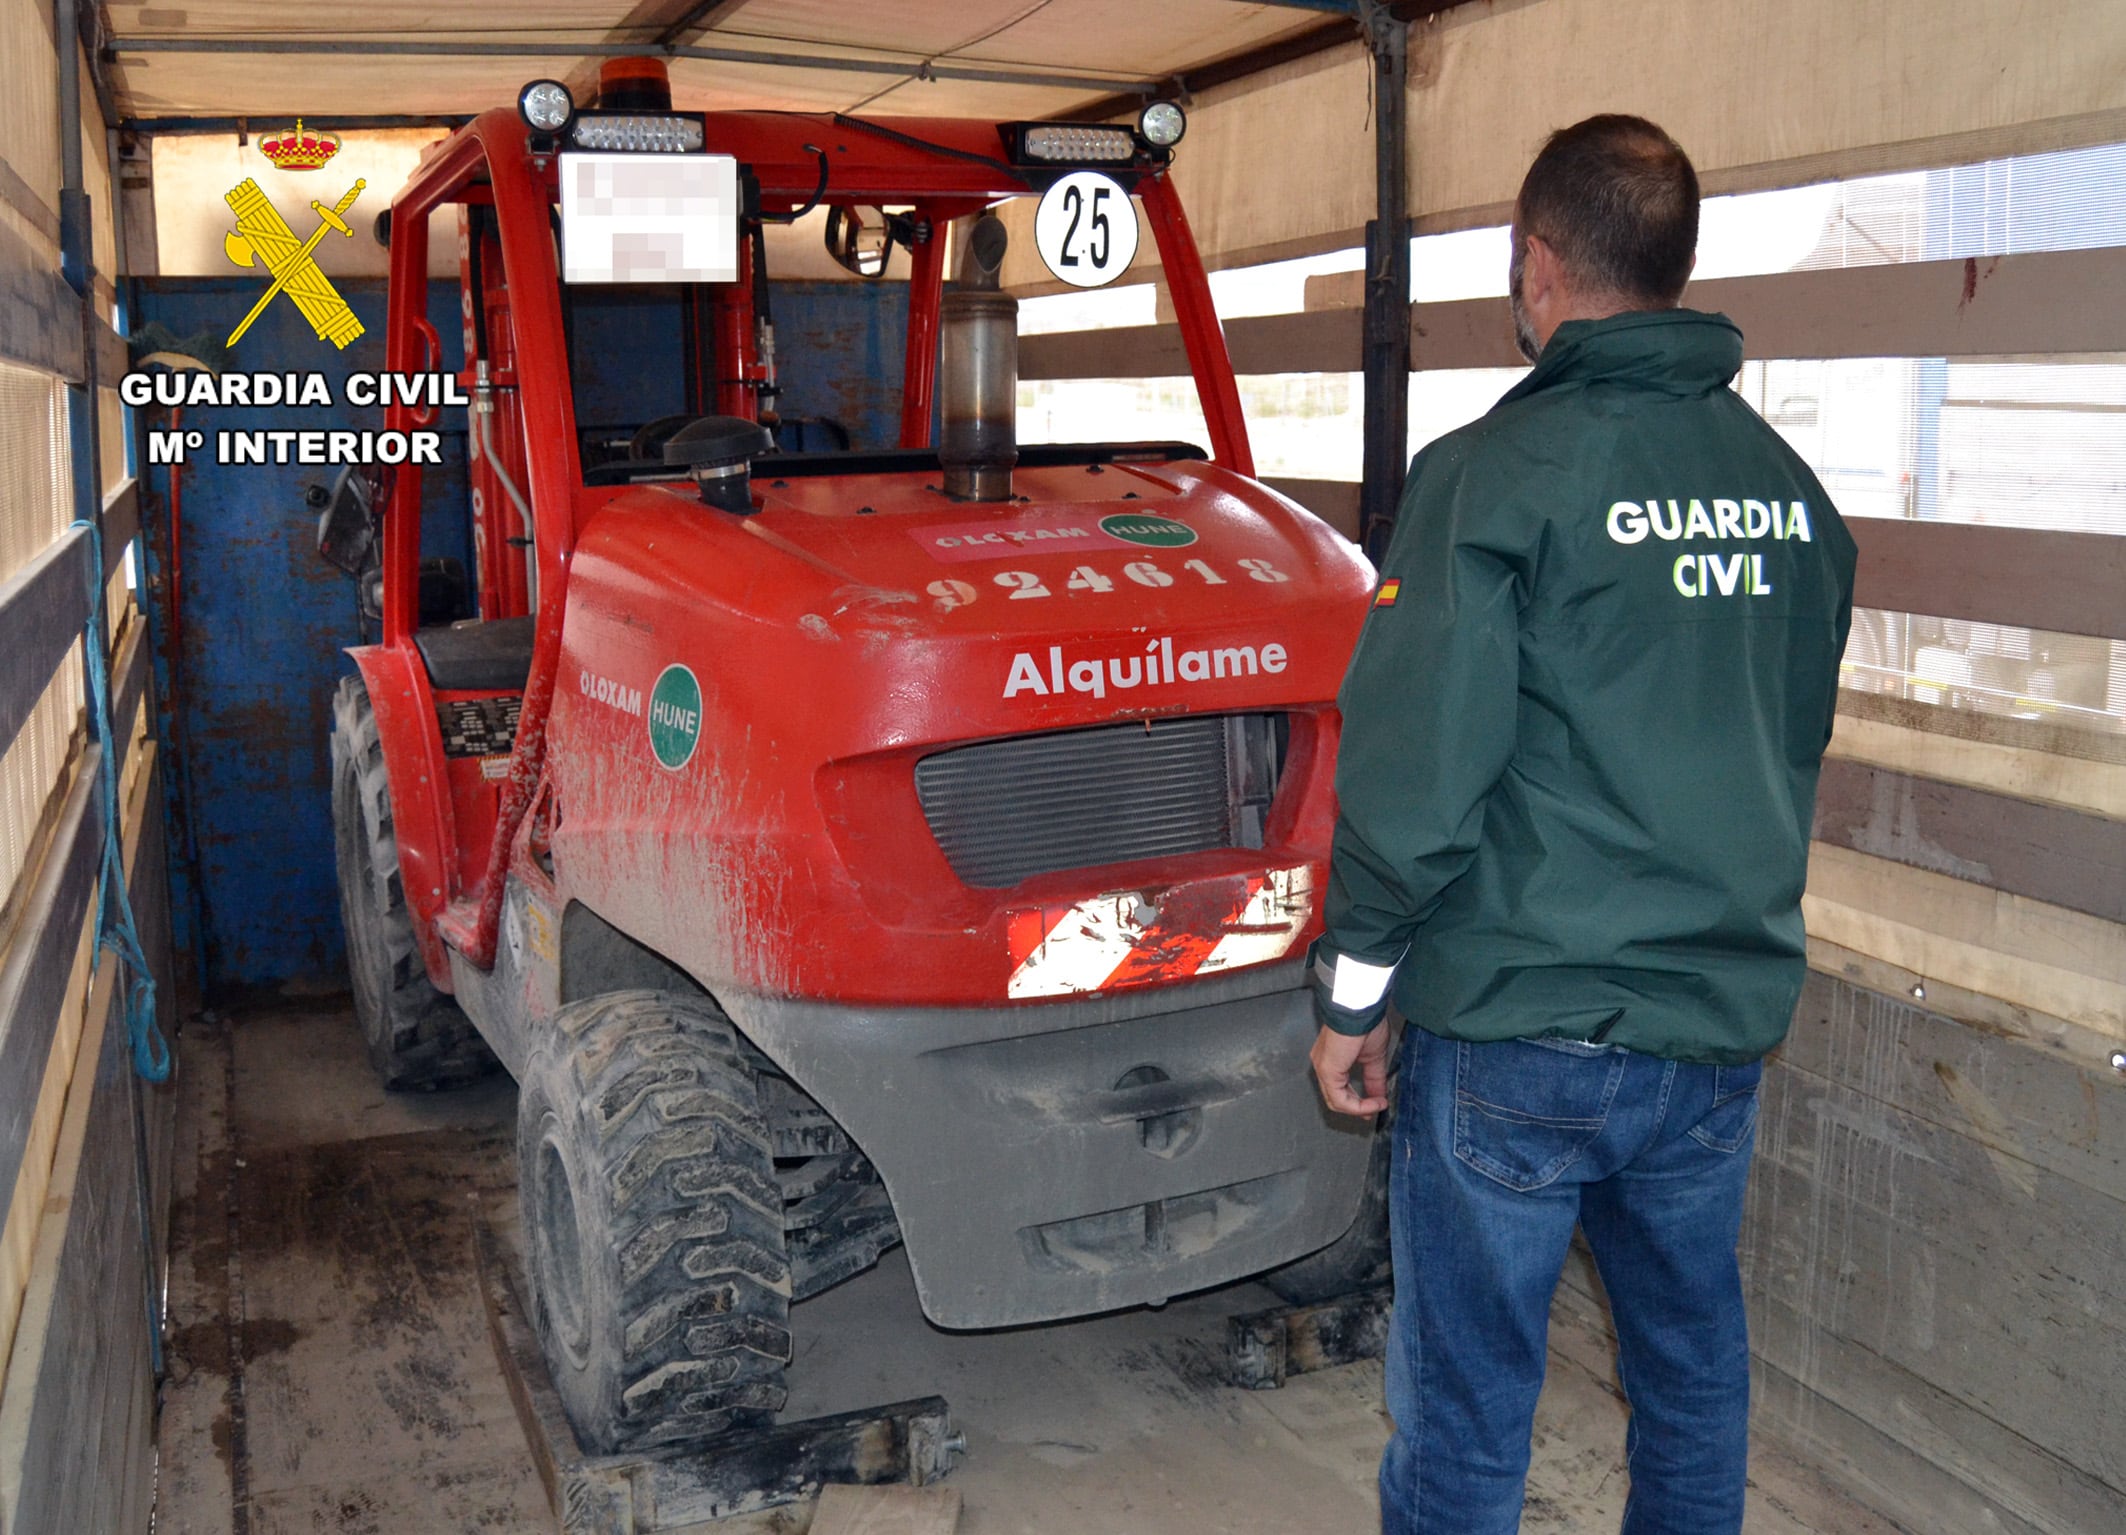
[330, 1371]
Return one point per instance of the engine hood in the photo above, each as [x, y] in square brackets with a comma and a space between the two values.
[1115, 548]
[868, 612]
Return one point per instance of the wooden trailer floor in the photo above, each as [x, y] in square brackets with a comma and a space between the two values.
[330, 1371]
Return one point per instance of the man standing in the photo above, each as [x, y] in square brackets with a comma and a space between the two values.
[1581, 737]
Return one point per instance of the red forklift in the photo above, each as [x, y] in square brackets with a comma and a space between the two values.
[913, 844]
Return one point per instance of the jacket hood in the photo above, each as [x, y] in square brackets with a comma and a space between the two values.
[1677, 351]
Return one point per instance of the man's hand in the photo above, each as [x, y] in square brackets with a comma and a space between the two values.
[1334, 1055]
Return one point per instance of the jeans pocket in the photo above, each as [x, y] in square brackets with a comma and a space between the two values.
[1583, 1048]
[1727, 1124]
[1525, 1111]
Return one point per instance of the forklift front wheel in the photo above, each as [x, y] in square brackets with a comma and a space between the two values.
[417, 1037]
[653, 1222]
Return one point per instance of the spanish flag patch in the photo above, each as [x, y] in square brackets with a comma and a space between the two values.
[1389, 591]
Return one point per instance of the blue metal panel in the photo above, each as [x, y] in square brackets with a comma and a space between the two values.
[838, 348]
[625, 351]
[263, 620]
[263, 625]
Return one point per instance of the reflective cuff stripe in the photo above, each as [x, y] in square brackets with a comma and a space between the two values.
[1359, 985]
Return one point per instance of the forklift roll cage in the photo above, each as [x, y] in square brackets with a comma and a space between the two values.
[943, 168]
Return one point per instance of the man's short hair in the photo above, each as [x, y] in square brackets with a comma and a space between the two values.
[1617, 199]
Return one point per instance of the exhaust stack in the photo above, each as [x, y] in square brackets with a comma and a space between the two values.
[978, 384]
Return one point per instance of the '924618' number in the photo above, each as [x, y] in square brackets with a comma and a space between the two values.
[1025, 585]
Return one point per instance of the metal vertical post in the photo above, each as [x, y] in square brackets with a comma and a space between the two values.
[77, 264]
[1209, 361]
[1387, 314]
[919, 363]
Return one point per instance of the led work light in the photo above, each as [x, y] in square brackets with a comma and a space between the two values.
[1162, 124]
[1076, 144]
[546, 106]
[672, 133]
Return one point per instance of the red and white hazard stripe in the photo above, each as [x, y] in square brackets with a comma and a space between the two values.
[1129, 937]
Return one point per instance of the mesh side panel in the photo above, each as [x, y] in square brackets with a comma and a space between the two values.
[35, 505]
[110, 444]
[29, 116]
[35, 485]
[97, 181]
[1004, 811]
[30, 772]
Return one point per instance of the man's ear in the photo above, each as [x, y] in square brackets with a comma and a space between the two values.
[1542, 274]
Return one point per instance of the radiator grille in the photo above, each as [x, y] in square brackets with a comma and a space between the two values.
[1004, 811]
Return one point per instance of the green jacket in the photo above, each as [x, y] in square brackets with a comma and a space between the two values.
[1583, 724]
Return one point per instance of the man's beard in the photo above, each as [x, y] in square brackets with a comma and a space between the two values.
[1523, 330]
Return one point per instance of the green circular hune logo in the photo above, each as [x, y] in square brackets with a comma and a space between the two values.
[675, 716]
[1152, 532]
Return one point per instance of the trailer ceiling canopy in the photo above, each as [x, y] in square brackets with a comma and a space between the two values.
[1763, 93]
[395, 58]
[1278, 160]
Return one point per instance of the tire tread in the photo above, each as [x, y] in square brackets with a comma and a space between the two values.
[659, 1106]
[418, 1039]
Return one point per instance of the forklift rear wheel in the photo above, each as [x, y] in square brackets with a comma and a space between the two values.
[653, 1222]
[417, 1037]
[1359, 1259]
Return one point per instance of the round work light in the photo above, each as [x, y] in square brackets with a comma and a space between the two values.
[546, 105]
[1162, 124]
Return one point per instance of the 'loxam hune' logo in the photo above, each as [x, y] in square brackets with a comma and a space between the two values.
[1158, 664]
[1151, 531]
[614, 695]
[675, 716]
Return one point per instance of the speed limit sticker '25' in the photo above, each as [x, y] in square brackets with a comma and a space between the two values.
[1085, 228]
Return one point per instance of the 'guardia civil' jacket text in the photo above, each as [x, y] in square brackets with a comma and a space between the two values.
[1583, 725]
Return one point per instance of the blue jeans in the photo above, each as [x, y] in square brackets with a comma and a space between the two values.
[1499, 1150]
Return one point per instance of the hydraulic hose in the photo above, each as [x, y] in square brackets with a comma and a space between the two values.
[483, 427]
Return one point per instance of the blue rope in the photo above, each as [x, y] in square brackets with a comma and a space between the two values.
[151, 1051]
